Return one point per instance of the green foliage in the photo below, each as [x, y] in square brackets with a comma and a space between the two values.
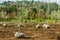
[28, 11]
[11, 8]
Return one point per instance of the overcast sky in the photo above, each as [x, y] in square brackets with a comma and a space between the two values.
[57, 1]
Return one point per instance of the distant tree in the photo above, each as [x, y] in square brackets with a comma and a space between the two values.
[32, 13]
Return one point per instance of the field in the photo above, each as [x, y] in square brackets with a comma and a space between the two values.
[30, 32]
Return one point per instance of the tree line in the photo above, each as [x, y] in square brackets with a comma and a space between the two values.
[30, 10]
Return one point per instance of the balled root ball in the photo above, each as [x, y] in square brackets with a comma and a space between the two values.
[46, 26]
[20, 25]
[4, 24]
[38, 26]
[19, 35]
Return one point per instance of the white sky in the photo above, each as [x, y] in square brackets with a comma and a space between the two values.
[57, 1]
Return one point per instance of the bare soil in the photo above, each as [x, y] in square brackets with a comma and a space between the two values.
[30, 32]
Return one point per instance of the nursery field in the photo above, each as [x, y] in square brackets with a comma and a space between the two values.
[40, 20]
[30, 32]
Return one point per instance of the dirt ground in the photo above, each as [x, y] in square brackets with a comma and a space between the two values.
[30, 32]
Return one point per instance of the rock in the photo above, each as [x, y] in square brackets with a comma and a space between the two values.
[19, 34]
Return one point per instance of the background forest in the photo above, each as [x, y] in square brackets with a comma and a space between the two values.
[25, 11]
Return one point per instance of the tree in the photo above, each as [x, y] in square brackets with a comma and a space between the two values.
[32, 13]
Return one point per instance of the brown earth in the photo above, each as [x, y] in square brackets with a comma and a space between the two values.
[30, 32]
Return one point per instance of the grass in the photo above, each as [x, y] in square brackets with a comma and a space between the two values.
[37, 20]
